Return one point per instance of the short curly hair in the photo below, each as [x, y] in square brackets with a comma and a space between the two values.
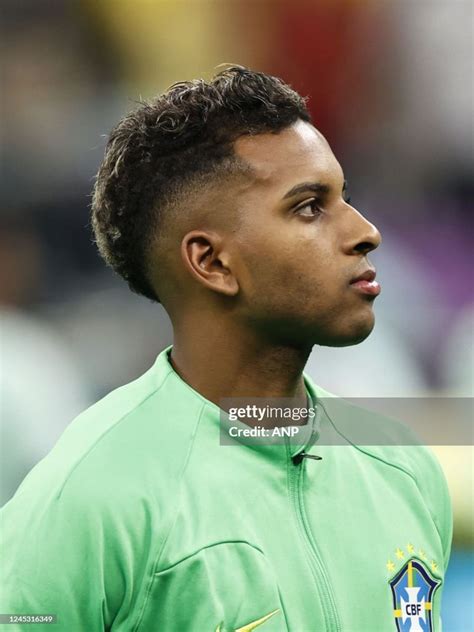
[168, 142]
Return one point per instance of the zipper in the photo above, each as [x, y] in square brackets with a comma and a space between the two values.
[305, 455]
[295, 482]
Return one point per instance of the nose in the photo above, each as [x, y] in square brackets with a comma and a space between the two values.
[364, 236]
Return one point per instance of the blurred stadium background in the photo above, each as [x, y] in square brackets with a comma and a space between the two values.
[391, 88]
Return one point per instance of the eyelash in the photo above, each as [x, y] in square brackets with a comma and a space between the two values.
[314, 204]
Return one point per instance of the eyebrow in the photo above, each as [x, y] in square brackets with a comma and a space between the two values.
[314, 187]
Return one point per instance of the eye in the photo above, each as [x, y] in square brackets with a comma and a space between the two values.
[309, 208]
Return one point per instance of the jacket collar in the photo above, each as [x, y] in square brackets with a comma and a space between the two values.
[274, 447]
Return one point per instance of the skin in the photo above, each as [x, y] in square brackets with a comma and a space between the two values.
[260, 277]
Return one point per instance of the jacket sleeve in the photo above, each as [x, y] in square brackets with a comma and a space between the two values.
[435, 489]
[59, 556]
[432, 483]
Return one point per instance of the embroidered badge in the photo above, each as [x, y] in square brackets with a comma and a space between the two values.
[413, 588]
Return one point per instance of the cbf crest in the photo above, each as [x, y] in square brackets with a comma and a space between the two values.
[413, 588]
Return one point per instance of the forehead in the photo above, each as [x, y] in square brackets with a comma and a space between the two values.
[297, 154]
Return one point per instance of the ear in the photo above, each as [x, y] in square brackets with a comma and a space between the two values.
[205, 258]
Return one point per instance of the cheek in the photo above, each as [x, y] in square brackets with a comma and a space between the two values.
[286, 274]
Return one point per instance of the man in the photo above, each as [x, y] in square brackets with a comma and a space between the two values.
[224, 203]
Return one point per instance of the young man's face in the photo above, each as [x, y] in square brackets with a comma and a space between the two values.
[299, 253]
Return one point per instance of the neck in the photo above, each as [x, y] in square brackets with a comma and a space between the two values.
[224, 360]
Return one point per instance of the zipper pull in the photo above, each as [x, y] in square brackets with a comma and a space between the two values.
[301, 455]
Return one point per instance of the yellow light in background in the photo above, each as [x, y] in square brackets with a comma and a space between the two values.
[457, 463]
[164, 41]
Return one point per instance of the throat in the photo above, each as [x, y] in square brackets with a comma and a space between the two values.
[223, 370]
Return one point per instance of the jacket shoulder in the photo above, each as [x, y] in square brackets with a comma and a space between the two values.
[394, 445]
[131, 443]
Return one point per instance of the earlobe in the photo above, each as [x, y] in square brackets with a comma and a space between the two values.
[205, 259]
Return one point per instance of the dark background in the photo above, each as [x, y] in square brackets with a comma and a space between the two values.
[390, 86]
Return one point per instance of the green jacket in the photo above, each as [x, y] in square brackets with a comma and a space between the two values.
[139, 519]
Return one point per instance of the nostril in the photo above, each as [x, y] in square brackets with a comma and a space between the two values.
[364, 247]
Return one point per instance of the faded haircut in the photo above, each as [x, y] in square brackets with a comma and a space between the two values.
[156, 150]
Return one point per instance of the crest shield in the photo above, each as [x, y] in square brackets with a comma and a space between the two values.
[412, 590]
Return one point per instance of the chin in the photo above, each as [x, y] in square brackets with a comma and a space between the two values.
[353, 335]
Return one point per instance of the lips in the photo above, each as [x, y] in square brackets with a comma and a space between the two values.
[368, 275]
[366, 283]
